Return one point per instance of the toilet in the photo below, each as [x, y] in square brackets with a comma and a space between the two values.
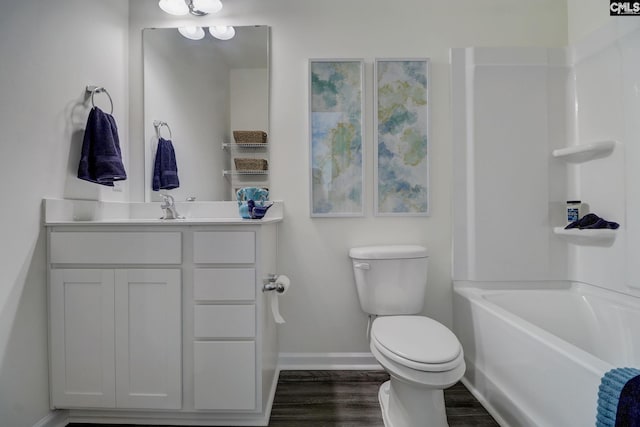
[422, 356]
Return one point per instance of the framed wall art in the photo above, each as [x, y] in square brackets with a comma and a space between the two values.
[336, 99]
[401, 123]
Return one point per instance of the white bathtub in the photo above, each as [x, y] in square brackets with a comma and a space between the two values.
[535, 351]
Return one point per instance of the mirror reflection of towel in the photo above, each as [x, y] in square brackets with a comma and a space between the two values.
[101, 159]
[165, 170]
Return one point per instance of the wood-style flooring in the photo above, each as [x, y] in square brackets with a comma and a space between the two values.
[350, 399]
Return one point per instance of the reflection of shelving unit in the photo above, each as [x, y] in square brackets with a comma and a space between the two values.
[235, 146]
[246, 178]
[580, 154]
[245, 172]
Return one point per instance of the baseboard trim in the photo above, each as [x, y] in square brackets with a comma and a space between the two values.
[57, 418]
[327, 361]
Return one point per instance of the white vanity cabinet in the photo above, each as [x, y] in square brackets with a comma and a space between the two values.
[168, 316]
[116, 339]
[224, 330]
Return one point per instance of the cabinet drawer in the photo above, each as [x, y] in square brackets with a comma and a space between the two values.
[224, 321]
[219, 247]
[79, 247]
[225, 375]
[224, 284]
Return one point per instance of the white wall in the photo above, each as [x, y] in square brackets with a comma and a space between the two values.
[321, 308]
[249, 99]
[509, 113]
[50, 51]
[586, 16]
[607, 78]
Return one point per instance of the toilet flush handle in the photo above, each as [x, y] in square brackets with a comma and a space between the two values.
[362, 265]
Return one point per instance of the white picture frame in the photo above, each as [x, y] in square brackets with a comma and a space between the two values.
[401, 128]
[336, 137]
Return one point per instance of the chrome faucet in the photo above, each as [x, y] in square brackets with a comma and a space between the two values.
[169, 207]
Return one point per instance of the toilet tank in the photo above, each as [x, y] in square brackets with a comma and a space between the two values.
[390, 280]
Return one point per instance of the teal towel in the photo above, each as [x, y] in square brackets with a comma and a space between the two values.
[618, 398]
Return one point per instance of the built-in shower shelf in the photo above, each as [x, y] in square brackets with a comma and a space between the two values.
[595, 237]
[585, 152]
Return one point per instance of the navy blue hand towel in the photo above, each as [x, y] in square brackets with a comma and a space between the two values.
[629, 404]
[165, 170]
[592, 221]
[101, 159]
[619, 398]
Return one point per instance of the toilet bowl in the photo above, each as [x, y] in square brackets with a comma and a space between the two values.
[422, 356]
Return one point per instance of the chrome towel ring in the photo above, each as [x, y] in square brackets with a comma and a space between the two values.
[158, 125]
[98, 89]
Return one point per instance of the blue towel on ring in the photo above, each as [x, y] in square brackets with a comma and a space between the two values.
[101, 159]
[165, 170]
[619, 398]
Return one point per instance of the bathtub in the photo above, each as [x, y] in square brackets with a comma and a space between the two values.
[535, 351]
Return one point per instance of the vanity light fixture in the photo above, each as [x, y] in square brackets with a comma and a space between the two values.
[174, 7]
[204, 6]
[192, 33]
[194, 7]
[222, 32]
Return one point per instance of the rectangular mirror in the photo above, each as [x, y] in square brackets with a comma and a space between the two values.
[204, 90]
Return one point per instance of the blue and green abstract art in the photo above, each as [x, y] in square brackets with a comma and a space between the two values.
[336, 137]
[402, 128]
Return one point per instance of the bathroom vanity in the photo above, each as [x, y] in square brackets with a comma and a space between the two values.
[160, 321]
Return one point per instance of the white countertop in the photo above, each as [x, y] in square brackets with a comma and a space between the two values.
[65, 212]
[169, 222]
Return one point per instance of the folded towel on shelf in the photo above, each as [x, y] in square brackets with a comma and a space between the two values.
[592, 221]
[101, 159]
[619, 398]
[165, 170]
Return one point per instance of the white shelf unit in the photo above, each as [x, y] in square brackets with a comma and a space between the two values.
[595, 237]
[246, 178]
[580, 154]
[244, 172]
[585, 152]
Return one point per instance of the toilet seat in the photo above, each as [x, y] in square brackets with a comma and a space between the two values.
[417, 342]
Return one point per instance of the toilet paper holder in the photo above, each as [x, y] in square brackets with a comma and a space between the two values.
[270, 284]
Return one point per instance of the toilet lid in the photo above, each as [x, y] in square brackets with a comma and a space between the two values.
[416, 338]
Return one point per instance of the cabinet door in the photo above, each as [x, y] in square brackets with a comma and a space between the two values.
[82, 341]
[148, 338]
[225, 375]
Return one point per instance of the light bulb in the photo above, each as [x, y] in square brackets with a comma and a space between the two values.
[193, 33]
[174, 7]
[222, 32]
[207, 6]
